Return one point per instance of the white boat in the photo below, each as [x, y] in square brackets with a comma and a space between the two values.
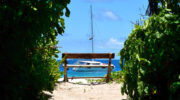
[90, 65]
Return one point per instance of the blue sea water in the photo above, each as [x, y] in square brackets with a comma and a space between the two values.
[100, 72]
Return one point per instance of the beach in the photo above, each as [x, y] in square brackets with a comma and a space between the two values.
[80, 89]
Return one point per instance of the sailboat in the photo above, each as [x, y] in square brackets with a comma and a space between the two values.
[92, 64]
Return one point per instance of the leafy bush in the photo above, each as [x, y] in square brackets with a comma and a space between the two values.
[28, 30]
[95, 81]
[151, 59]
[117, 76]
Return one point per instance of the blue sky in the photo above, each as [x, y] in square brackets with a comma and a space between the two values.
[112, 25]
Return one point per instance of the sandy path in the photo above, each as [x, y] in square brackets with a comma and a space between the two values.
[70, 91]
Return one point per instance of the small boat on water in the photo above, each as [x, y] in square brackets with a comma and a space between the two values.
[90, 65]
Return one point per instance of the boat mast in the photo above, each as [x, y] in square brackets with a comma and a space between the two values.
[92, 37]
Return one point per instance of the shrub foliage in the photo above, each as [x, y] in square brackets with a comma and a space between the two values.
[150, 59]
[28, 30]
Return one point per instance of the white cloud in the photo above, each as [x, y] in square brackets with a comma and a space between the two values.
[114, 42]
[105, 14]
[110, 15]
[100, 0]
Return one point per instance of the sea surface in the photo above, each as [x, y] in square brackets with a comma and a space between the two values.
[92, 72]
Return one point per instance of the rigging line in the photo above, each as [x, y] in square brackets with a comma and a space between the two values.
[92, 38]
[89, 34]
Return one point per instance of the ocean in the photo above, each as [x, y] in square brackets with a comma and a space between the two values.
[94, 72]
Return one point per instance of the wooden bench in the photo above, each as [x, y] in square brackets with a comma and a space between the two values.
[87, 56]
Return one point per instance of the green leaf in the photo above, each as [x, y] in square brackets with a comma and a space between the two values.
[20, 13]
[67, 12]
[146, 90]
[162, 52]
[145, 60]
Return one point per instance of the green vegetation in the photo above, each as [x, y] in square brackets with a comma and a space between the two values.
[94, 81]
[117, 77]
[150, 57]
[79, 82]
[28, 30]
[156, 6]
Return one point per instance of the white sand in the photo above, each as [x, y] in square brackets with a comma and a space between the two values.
[84, 81]
[71, 91]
